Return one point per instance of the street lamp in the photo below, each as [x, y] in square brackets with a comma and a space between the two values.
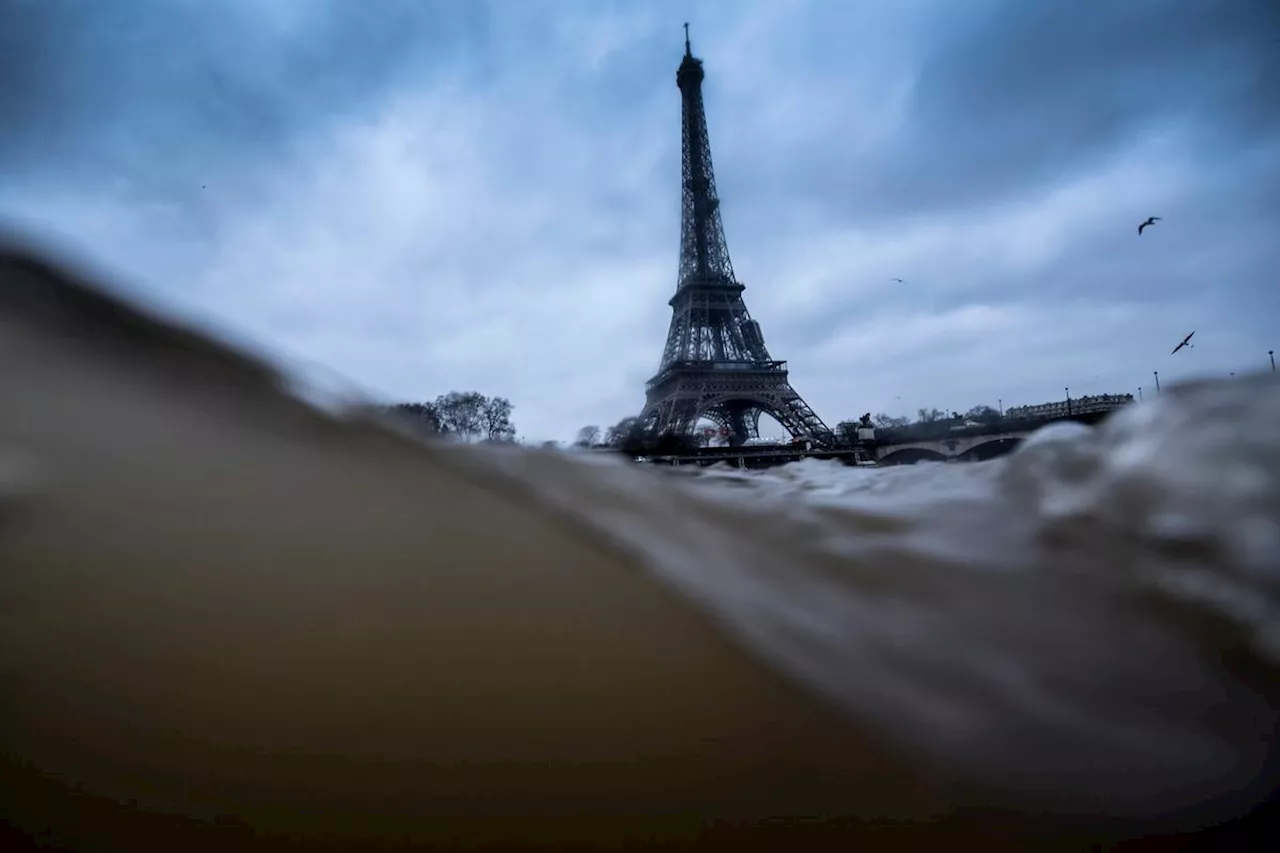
[1068, 390]
[1157, 375]
[1271, 354]
[1139, 393]
[1000, 400]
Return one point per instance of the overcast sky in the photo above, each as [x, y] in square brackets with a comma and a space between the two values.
[426, 196]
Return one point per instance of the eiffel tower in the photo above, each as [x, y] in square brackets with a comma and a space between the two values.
[715, 364]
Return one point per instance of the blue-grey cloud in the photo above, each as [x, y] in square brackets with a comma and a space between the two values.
[106, 85]
[428, 195]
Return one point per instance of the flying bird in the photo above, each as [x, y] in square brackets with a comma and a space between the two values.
[898, 280]
[1151, 220]
[1186, 342]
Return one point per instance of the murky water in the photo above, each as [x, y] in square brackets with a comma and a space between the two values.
[216, 600]
[1059, 618]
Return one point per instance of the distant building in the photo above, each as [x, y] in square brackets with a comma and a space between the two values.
[1076, 406]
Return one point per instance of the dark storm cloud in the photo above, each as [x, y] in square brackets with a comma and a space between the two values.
[166, 86]
[1010, 96]
[1039, 89]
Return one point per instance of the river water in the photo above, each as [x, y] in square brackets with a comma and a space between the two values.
[217, 596]
[1076, 614]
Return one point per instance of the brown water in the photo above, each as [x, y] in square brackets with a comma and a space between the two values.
[229, 618]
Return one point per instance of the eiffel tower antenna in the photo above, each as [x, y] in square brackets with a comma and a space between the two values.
[715, 364]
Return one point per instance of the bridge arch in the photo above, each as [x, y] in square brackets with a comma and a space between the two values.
[912, 455]
[984, 450]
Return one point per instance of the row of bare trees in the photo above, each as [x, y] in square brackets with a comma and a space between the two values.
[617, 435]
[462, 415]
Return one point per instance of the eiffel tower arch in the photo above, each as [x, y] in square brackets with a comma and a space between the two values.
[715, 364]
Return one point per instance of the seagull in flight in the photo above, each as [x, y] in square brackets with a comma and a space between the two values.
[1186, 342]
[1151, 220]
[898, 280]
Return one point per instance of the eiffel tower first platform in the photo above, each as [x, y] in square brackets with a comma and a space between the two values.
[715, 364]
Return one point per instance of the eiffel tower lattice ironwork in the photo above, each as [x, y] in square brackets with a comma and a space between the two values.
[715, 364]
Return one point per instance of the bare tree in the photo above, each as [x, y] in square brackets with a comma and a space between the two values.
[889, 422]
[462, 414]
[982, 414]
[847, 432]
[621, 432]
[928, 416]
[423, 416]
[588, 436]
[495, 420]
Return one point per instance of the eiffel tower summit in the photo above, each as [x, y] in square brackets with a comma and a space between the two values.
[715, 365]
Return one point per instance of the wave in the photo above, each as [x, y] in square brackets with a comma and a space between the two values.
[217, 599]
[1057, 619]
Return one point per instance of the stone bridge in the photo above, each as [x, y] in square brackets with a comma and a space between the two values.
[967, 444]
[960, 448]
[933, 443]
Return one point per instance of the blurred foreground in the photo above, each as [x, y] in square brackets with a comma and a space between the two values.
[229, 620]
